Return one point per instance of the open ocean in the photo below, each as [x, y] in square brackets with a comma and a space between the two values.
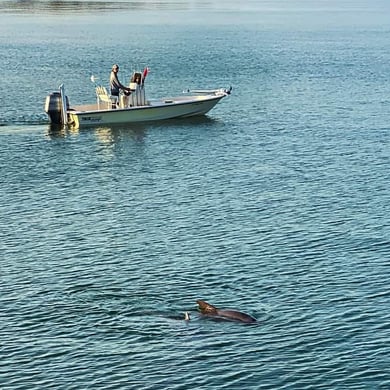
[277, 203]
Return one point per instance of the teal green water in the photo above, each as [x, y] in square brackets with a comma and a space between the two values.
[276, 203]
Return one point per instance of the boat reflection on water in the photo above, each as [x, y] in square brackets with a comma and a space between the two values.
[136, 131]
[105, 134]
[57, 131]
[110, 135]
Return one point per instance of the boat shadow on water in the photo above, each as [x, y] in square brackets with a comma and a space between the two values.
[136, 131]
[202, 121]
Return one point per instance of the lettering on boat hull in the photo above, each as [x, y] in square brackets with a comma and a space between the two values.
[91, 119]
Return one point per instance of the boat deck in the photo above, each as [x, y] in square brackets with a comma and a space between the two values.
[150, 103]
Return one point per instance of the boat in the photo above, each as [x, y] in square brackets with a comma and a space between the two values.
[136, 107]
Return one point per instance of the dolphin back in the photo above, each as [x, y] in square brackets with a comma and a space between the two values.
[206, 308]
[232, 315]
[235, 315]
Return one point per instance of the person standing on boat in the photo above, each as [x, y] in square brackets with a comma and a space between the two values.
[115, 84]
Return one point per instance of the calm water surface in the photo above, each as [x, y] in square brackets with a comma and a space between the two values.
[277, 203]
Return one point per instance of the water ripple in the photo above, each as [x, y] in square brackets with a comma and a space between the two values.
[278, 208]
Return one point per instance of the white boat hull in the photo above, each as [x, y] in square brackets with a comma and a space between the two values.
[183, 106]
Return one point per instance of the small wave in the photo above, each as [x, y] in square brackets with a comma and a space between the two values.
[24, 120]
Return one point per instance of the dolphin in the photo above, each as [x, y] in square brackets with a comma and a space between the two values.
[232, 315]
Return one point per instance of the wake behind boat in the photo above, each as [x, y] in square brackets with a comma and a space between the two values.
[136, 107]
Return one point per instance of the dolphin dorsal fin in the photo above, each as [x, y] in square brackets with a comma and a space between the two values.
[206, 308]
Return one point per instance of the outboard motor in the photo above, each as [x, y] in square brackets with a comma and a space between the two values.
[53, 107]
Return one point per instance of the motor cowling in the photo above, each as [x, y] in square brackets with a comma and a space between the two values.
[53, 107]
